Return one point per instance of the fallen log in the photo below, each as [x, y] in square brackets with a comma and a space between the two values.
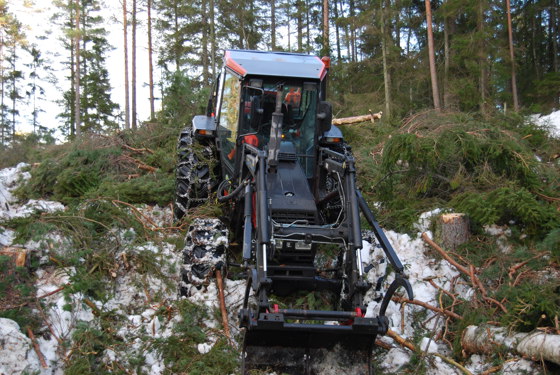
[356, 119]
[536, 345]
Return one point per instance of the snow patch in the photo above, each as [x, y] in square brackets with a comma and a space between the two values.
[16, 353]
[552, 120]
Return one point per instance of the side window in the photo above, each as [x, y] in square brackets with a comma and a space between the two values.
[229, 113]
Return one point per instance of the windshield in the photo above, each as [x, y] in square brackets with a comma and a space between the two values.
[299, 106]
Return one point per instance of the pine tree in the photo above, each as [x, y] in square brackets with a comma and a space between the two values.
[97, 112]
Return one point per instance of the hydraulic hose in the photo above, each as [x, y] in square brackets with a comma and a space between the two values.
[223, 198]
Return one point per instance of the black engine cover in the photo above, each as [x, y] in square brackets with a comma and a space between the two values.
[288, 190]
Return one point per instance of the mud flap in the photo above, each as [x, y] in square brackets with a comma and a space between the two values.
[310, 353]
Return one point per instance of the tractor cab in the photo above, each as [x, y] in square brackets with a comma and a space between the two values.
[255, 85]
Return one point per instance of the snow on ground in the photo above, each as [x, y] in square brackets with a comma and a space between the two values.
[552, 120]
[136, 297]
[9, 209]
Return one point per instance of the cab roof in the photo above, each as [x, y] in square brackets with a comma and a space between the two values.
[278, 64]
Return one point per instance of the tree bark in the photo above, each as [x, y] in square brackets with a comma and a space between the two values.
[204, 57]
[326, 42]
[346, 33]
[273, 24]
[452, 230]
[512, 59]
[337, 30]
[150, 63]
[77, 119]
[555, 34]
[353, 32]
[481, 56]
[357, 119]
[126, 92]
[133, 99]
[307, 25]
[431, 55]
[212, 38]
[386, 71]
[299, 10]
[536, 345]
[447, 58]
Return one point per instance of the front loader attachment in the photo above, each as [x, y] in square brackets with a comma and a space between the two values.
[293, 342]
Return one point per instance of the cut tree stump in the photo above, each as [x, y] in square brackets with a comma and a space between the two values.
[452, 230]
[536, 345]
[18, 255]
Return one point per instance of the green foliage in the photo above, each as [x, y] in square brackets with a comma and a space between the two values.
[552, 243]
[97, 167]
[180, 352]
[89, 342]
[24, 148]
[181, 98]
[508, 204]
[531, 305]
[154, 188]
[486, 168]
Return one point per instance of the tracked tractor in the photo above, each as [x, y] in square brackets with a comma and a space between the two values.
[266, 150]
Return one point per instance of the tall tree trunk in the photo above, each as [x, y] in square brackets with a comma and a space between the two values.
[177, 42]
[534, 45]
[326, 43]
[72, 118]
[273, 24]
[126, 93]
[150, 63]
[346, 33]
[213, 38]
[481, 56]
[77, 110]
[14, 91]
[353, 32]
[385, 52]
[512, 58]
[337, 30]
[204, 57]
[447, 58]
[299, 26]
[554, 35]
[308, 28]
[398, 24]
[432, 58]
[133, 109]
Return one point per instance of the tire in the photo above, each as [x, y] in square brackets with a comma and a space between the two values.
[194, 177]
[205, 251]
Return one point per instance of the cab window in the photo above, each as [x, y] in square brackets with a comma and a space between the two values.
[229, 113]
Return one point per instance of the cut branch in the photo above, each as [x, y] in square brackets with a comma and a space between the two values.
[225, 323]
[37, 349]
[429, 307]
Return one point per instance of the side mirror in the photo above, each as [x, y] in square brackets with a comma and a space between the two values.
[324, 115]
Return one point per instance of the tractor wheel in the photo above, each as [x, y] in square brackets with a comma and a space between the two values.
[205, 251]
[194, 180]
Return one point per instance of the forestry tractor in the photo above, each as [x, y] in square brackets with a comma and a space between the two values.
[266, 150]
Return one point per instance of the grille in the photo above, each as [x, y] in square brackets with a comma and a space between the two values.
[290, 217]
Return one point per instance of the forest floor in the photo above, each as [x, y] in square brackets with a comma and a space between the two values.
[110, 304]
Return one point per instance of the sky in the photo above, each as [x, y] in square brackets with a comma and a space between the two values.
[36, 23]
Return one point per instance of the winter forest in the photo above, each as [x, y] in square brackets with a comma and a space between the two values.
[131, 228]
